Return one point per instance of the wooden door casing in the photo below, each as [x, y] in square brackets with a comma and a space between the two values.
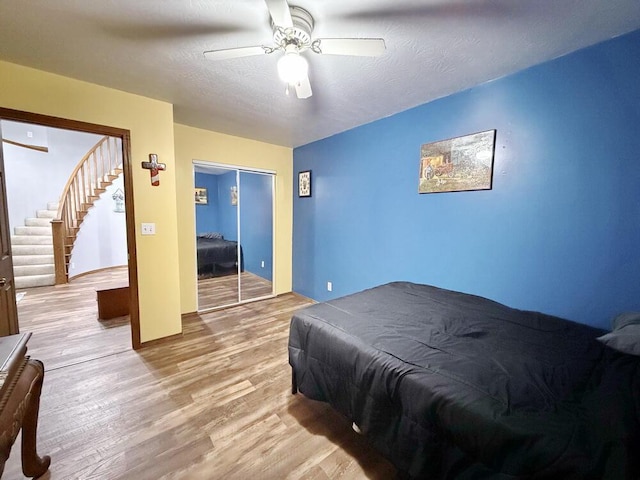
[75, 125]
[8, 308]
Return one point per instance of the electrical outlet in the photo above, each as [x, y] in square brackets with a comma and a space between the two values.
[148, 229]
[329, 286]
[262, 264]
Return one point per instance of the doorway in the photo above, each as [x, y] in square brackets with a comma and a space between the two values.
[124, 138]
[234, 234]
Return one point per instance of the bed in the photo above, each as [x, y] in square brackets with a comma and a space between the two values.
[451, 385]
[217, 256]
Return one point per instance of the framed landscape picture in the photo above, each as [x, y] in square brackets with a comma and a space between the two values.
[458, 164]
[201, 196]
[304, 183]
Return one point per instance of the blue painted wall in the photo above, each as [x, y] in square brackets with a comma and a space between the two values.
[219, 215]
[559, 232]
[207, 216]
[228, 213]
[256, 223]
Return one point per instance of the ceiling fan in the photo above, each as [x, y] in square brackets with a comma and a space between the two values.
[292, 28]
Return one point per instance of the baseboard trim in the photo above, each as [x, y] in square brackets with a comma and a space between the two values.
[96, 271]
[160, 341]
[296, 294]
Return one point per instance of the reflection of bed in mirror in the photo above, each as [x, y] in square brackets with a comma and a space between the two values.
[217, 256]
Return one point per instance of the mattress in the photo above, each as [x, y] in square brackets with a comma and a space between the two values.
[451, 385]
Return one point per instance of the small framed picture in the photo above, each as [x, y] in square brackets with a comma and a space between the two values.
[201, 196]
[304, 183]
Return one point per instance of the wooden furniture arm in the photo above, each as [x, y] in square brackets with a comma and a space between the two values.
[19, 409]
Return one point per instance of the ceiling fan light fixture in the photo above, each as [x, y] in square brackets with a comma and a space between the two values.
[292, 67]
[292, 36]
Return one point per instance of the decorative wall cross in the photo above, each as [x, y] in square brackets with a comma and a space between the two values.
[154, 168]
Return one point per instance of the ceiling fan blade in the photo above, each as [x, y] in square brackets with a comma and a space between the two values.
[227, 53]
[280, 14]
[303, 88]
[165, 30]
[365, 47]
[443, 9]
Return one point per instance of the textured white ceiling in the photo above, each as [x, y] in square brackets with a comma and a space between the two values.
[434, 48]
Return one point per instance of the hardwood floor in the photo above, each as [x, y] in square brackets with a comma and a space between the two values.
[214, 403]
[64, 320]
[221, 291]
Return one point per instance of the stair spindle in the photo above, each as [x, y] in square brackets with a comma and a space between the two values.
[90, 176]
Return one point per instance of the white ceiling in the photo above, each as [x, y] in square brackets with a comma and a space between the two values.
[434, 48]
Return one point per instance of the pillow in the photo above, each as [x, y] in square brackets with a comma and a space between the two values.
[625, 336]
[212, 235]
[625, 319]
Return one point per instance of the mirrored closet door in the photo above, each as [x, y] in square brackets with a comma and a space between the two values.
[256, 233]
[234, 235]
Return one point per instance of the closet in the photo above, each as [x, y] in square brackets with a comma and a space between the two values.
[234, 234]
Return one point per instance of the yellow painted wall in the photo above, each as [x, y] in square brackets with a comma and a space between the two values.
[196, 144]
[151, 125]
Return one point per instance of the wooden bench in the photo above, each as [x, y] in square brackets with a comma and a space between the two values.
[113, 302]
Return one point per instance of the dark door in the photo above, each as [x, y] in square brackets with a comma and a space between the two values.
[8, 309]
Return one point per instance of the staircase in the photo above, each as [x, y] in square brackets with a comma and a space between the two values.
[32, 250]
[91, 177]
